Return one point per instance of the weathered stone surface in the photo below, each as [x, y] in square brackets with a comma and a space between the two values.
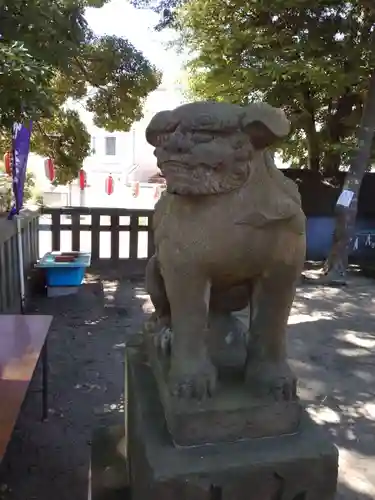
[231, 414]
[302, 466]
[229, 231]
[109, 478]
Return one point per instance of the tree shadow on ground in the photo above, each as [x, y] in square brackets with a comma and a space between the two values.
[331, 347]
[86, 383]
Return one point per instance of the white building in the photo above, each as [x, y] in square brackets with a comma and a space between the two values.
[127, 154]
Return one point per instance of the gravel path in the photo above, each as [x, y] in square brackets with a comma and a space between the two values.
[86, 347]
[332, 349]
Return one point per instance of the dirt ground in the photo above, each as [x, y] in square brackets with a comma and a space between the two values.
[331, 347]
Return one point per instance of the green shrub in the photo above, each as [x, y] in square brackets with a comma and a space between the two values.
[6, 193]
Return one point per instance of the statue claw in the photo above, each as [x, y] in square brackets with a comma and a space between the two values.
[163, 340]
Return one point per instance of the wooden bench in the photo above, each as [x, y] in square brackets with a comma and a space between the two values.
[23, 340]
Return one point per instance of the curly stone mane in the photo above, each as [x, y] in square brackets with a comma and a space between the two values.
[206, 148]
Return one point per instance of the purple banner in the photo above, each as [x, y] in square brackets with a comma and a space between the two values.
[20, 150]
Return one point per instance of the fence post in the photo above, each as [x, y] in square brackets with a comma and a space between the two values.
[9, 257]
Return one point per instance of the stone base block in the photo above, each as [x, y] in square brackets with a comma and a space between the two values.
[302, 466]
[108, 478]
[232, 413]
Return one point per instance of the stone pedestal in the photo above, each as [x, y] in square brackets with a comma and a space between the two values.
[300, 466]
[233, 413]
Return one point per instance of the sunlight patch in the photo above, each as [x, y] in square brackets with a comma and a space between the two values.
[353, 353]
[295, 319]
[353, 338]
[323, 415]
[109, 289]
[364, 375]
[147, 306]
[320, 293]
[368, 410]
[353, 478]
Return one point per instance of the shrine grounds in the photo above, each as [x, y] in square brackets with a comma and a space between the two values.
[331, 348]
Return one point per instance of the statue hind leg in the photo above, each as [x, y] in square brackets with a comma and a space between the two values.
[267, 370]
[156, 289]
[160, 320]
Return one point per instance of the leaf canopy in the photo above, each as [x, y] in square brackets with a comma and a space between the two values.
[48, 56]
[311, 58]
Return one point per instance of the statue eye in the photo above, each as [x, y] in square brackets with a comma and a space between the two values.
[238, 144]
[203, 136]
[161, 139]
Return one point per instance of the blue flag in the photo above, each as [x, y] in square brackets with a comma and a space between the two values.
[20, 151]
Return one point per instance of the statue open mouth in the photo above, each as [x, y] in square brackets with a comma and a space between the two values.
[173, 166]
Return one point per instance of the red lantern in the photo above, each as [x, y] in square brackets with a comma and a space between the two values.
[82, 179]
[109, 185]
[49, 169]
[8, 162]
[156, 193]
[135, 189]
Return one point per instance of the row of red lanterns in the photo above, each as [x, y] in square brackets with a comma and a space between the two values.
[50, 174]
[82, 177]
[157, 193]
[109, 185]
[136, 190]
[49, 168]
[8, 162]
[109, 182]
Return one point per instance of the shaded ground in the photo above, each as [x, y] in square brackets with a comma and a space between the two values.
[332, 349]
[86, 344]
[332, 346]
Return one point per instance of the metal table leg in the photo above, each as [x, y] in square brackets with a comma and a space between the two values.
[45, 380]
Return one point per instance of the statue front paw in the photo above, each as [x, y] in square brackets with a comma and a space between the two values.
[163, 340]
[193, 379]
[267, 379]
[159, 328]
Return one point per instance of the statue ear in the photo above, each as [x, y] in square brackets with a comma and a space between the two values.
[163, 122]
[264, 124]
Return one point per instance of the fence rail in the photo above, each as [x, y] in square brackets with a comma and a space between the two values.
[9, 257]
[116, 237]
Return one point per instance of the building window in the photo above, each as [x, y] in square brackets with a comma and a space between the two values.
[93, 145]
[110, 146]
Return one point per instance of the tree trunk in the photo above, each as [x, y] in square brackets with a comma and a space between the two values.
[331, 164]
[337, 261]
[337, 130]
[313, 153]
[312, 137]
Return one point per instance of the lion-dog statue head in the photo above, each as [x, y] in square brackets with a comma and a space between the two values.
[208, 148]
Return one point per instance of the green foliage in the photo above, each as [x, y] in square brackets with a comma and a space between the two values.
[123, 78]
[68, 143]
[48, 56]
[6, 193]
[165, 8]
[312, 59]
[21, 76]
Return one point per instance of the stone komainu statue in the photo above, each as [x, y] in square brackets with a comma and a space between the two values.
[229, 231]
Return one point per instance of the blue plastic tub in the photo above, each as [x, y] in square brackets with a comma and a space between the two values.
[64, 274]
